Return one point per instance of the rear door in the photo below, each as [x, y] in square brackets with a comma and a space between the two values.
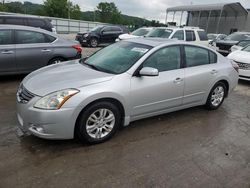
[200, 73]
[7, 52]
[32, 50]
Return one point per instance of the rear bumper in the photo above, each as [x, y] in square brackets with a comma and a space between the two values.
[81, 40]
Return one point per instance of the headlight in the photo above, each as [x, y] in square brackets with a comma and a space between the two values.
[86, 35]
[55, 100]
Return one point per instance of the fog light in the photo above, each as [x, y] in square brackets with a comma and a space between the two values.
[37, 128]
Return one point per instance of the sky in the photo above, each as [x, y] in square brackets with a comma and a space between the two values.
[148, 9]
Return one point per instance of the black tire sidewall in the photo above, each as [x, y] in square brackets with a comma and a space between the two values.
[81, 123]
[54, 59]
[209, 104]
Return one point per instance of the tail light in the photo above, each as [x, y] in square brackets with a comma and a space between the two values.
[235, 65]
[78, 48]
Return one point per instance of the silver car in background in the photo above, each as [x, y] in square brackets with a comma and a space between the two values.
[24, 49]
[124, 82]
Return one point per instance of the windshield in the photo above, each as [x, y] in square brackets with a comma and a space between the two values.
[238, 37]
[97, 28]
[211, 36]
[140, 32]
[160, 32]
[117, 58]
[247, 49]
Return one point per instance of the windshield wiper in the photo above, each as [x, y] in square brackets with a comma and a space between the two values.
[92, 66]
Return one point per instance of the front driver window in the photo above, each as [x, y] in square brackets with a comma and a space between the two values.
[165, 59]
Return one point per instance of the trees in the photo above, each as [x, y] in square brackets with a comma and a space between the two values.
[62, 9]
[109, 13]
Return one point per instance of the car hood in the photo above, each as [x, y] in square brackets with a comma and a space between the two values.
[240, 56]
[227, 42]
[127, 36]
[61, 76]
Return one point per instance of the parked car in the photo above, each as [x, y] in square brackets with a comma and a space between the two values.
[240, 45]
[124, 82]
[100, 35]
[141, 32]
[31, 21]
[242, 58]
[189, 34]
[224, 46]
[24, 49]
[212, 38]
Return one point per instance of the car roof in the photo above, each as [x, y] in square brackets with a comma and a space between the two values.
[20, 16]
[21, 27]
[153, 41]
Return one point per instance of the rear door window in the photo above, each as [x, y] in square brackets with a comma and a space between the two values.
[196, 56]
[36, 22]
[15, 21]
[202, 35]
[5, 37]
[29, 37]
[1, 20]
[190, 35]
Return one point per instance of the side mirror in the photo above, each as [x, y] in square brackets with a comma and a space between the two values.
[148, 71]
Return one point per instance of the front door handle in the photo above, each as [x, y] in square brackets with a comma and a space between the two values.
[7, 52]
[46, 50]
[178, 80]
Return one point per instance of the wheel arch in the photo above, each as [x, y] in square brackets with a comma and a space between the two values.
[112, 100]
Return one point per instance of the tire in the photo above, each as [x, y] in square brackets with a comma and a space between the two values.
[216, 96]
[93, 42]
[56, 60]
[93, 128]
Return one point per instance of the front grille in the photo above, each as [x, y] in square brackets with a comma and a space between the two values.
[244, 66]
[23, 95]
[223, 46]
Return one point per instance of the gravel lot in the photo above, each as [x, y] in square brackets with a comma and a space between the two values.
[189, 148]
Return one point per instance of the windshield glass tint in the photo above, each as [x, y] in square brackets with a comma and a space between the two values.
[247, 49]
[162, 33]
[140, 32]
[118, 58]
[97, 28]
[238, 37]
[211, 36]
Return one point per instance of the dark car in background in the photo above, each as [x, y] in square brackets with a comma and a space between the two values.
[24, 49]
[31, 21]
[224, 46]
[101, 35]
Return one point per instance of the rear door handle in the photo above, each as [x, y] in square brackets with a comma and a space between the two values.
[46, 50]
[178, 80]
[214, 72]
[7, 52]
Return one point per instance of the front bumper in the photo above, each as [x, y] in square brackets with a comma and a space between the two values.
[244, 74]
[48, 124]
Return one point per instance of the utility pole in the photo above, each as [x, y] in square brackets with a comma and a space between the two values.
[3, 2]
[68, 9]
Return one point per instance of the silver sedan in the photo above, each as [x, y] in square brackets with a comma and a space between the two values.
[121, 83]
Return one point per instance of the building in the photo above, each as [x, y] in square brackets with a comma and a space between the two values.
[214, 18]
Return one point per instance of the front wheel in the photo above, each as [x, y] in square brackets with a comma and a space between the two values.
[93, 42]
[216, 96]
[98, 123]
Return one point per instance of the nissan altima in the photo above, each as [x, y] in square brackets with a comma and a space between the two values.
[126, 81]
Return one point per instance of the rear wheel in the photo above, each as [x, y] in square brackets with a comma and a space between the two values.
[98, 122]
[216, 96]
[56, 60]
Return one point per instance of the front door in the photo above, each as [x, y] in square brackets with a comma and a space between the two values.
[153, 94]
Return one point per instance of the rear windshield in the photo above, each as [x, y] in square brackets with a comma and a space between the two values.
[243, 43]
[160, 32]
